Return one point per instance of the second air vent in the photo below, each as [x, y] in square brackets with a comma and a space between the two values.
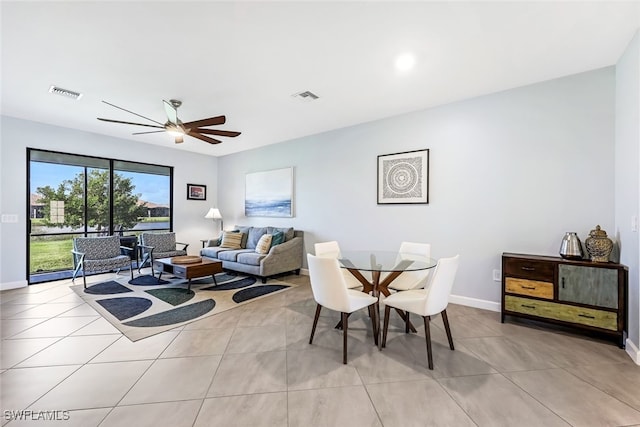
[306, 96]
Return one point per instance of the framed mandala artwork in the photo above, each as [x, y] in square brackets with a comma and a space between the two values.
[403, 177]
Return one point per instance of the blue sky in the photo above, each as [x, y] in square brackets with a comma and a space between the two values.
[152, 188]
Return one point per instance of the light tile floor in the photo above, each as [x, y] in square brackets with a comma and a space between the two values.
[253, 366]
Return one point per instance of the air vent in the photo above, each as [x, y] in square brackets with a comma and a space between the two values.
[306, 96]
[65, 92]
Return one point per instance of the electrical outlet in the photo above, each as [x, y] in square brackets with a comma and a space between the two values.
[497, 277]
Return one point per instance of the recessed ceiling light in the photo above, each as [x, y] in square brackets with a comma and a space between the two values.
[405, 61]
[65, 92]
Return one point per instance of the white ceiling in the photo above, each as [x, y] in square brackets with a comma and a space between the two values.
[246, 59]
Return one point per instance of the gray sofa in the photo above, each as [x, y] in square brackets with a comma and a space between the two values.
[281, 258]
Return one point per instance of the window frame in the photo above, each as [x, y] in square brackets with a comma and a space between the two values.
[88, 161]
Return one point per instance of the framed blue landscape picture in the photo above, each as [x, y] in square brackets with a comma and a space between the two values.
[269, 193]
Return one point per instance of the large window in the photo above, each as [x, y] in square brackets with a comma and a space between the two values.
[72, 195]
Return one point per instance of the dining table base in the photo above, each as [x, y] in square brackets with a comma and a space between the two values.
[376, 287]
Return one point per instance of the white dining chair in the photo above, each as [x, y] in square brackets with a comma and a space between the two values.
[332, 250]
[330, 291]
[426, 302]
[412, 279]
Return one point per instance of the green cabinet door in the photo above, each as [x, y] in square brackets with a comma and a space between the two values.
[588, 285]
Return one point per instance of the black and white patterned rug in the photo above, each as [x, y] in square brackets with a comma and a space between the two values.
[144, 306]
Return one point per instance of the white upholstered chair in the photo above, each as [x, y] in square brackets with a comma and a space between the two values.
[426, 302]
[330, 291]
[332, 250]
[412, 279]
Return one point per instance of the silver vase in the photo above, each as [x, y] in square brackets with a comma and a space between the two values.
[571, 247]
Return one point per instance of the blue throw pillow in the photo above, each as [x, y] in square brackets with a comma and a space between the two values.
[278, 237]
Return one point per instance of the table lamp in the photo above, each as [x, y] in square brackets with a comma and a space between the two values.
[215, 214]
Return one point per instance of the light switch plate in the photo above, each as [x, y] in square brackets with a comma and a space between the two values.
[9, 218]
[497, 277]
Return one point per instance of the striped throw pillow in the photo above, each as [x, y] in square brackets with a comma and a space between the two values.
[231, 240]
[264, 244]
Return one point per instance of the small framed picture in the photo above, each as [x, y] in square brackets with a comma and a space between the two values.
[403, 177]
[196, 192]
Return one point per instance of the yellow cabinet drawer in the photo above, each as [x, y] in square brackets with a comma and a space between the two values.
[567, 313]
[533, 288]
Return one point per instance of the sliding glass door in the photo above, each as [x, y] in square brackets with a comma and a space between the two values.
[150, 208]
[72, 195]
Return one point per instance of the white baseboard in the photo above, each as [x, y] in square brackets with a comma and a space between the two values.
[630, 347]
[474, 302]
[13, 285]
[632, 351]
[456, 299]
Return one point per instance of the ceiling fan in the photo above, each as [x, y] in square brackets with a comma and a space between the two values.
[176, 128]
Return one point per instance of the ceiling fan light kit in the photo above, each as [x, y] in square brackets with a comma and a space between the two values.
[176, 128]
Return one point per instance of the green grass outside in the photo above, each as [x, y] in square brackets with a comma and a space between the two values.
[154, 219]
[40, 222]
[51, 255]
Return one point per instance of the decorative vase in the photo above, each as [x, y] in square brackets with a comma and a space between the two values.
[599, 246]
[571, 247]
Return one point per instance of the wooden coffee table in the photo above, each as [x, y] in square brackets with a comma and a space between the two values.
[206, 267]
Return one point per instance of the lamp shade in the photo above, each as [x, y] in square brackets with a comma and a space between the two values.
[213, 214]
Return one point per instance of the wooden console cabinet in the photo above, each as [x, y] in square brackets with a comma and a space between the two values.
[580, 294]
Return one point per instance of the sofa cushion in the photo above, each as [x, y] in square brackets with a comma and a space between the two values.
[233, 254]
[255, 233]
[168, 254]
[212, 251]
[278, 237]
[231, 240]
[107, 264]
[288, 232]
[217, 241]
[245, 231]
[264, 244]
[250, 258]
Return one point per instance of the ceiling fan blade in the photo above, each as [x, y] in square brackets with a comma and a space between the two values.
[228, 133]
[136, 114]
[204, 138]
[130, 123]
[172, 113]
[212, 121]
[152, 131]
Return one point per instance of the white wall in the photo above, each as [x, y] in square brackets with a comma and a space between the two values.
[627, 178]
[511, 171]
[17, 135]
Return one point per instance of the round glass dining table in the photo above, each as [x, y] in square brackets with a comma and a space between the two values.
[377, 262]
[385, 261]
